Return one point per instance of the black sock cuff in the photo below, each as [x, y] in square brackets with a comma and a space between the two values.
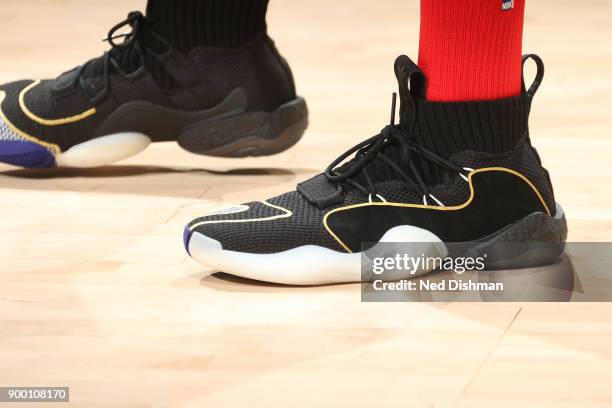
[216, 23]
[486, 126]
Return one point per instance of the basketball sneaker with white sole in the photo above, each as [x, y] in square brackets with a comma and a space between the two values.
[228, 102]
[460, 172]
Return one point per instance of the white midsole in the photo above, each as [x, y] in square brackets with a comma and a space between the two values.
[315, 265]
[103, 150]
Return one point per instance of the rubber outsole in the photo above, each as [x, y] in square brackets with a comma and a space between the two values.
[250, 133]
[536, 240]
[307, 265]
[225, 132]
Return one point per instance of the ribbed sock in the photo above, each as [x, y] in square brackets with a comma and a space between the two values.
[216, 23]
[470, 50]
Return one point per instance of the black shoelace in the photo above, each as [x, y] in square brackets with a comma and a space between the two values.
[131, 41]
[368, 151]
[136, 20]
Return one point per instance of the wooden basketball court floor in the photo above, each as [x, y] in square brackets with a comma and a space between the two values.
[97, 293]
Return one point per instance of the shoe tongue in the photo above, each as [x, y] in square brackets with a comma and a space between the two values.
[412, 87]
[155, 9]
[164, 17]
[412, 84]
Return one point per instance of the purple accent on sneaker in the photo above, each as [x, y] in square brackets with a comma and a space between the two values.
[25, 154]
[187, 238]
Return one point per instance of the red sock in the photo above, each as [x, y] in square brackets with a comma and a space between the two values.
[471, 49]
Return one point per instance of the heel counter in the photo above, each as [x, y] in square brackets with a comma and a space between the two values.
[284, 65]
[256, 67]
[276, 84]
[539, 175]
[548, 181]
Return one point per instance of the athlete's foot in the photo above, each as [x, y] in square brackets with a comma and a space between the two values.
[450, 172]
[229, 102]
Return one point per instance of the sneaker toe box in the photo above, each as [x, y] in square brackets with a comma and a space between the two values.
[280, 224]
[18, 151]
[15, 148]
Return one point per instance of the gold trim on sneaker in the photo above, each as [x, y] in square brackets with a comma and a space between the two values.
[49, 122]
[431, 207]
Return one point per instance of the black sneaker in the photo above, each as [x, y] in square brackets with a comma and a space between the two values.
[450, 172]
[219, 102]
